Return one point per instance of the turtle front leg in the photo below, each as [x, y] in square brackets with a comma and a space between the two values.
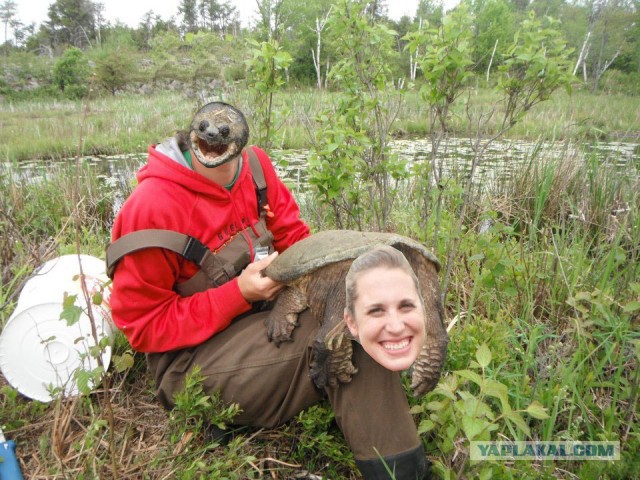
[283, 318]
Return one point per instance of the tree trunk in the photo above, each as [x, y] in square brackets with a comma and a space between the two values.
[597, 74]
[583, 51]
[413, 66]
[316, 55]
[320, 24]
[491, 61]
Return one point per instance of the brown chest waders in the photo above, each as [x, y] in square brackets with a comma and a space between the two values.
[270, 384]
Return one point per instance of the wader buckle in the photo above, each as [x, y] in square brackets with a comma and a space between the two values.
[195, 251]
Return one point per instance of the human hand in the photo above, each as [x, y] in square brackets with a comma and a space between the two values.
[254, 286]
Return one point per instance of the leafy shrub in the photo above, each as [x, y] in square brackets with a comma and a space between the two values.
[113, 69]
[71, 73]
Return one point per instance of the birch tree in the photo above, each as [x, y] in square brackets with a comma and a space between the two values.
[602, 28]
[316, 55]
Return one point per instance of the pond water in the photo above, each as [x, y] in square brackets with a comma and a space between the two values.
[501, 159]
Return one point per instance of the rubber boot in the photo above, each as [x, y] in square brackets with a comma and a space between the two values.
[410, 465]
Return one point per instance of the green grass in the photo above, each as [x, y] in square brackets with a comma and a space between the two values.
[581, 115]
[130, 123]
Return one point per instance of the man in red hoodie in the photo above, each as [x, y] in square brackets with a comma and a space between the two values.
[205, 204]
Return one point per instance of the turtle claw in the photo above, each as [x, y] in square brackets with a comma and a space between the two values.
[319, 369]
[283, 318]
[331, 361]
[281, 331]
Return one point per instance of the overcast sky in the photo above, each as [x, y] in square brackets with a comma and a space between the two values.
[131, 12]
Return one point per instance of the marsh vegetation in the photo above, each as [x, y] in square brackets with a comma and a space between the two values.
[540, 265]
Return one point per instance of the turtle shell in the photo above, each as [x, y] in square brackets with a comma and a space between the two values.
[332, 246]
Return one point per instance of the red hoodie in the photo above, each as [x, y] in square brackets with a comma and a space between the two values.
[169, 196]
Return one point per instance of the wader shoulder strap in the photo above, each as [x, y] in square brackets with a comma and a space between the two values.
[189, 247]
[214, 269]
[258, 178]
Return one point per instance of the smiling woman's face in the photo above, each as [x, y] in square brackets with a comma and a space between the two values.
[388, 317]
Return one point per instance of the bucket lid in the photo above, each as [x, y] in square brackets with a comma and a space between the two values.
[65, 264]
[39, 351]
[62, 274]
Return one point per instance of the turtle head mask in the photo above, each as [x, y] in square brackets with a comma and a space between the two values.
[217, 134]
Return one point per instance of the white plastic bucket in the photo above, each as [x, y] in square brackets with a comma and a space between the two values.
[39, 352]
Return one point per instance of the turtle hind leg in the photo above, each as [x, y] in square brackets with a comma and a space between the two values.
[320, 362]
[427, 367]
[283, 318]
[331, 358]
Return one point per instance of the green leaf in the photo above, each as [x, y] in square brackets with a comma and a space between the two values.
[70, 311]
[498, 390]
[483, 355]
[486, 473]
[434, 406]
[587, 296]
[631, 307]
[96, 299]
[470, 375]
[425, 426]
[464, 395]
[123, 362]
[95, 351]
[416, 409]
[518, 421]
[472, 426]
[330, 148]
[536, 410]
[447, 388]
[84, 381]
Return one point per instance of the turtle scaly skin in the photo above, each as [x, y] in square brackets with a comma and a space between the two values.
[314, 271]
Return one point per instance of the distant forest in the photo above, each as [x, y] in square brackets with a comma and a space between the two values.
[205, 41]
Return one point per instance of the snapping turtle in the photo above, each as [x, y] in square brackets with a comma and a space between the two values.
[218, 133]
[314, 271]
